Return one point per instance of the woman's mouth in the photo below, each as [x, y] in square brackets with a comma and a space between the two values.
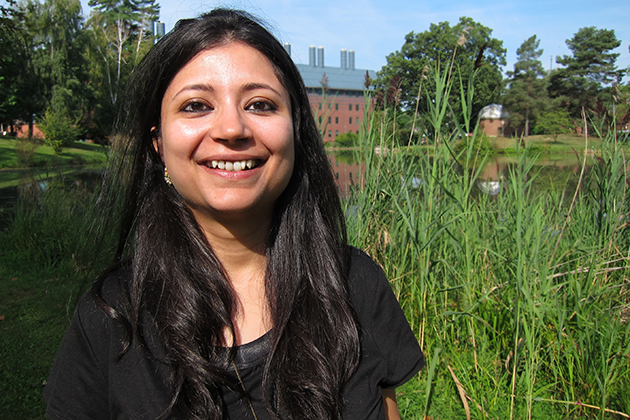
[234, 166]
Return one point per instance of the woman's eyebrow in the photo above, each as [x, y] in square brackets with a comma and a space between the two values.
[254, 86]
[197, 86]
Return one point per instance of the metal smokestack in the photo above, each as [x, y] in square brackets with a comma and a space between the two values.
[312, 56]
[320, 56]
[344, 59]
[351, 59]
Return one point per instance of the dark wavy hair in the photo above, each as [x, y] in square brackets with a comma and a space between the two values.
[179, 282]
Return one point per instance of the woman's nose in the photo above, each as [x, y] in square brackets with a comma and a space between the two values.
[230, 124]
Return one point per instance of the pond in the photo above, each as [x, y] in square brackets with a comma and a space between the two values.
[34, 183]
[558, 175]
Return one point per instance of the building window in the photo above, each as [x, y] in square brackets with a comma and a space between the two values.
[329, 106]
[336, 133]
[357, 131]
[320, 119]
[350, 175]
[350, 107]
[357, 120]
[320, 106]
[336, 175]
[329, 133]
[336, 107]
[336, 120]
[329, 120]
[350, 120]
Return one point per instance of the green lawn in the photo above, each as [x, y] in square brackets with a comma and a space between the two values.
[20, 158]
[42, 155]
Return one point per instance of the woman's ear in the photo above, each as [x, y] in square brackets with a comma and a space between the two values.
[157, 140]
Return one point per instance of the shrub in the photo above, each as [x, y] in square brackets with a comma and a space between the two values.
[59, 128]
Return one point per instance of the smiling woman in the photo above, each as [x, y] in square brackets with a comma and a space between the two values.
[233, 293]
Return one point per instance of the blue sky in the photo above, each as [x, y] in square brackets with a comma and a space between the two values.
[375, 29]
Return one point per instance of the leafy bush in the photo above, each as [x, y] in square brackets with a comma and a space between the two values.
[59, 128]
[348, 139]
[554, 123]
[480, 143]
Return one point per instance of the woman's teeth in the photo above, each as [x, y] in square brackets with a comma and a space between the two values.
[233, 166]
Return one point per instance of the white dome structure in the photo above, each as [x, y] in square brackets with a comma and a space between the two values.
[493, 112]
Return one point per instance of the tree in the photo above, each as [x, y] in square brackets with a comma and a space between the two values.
[554, 123]
[8, 91]
[59, 129]
[44, 63]
[471, 46]
[587, 71]
[526, 96]
[119, 39]
[62, 62]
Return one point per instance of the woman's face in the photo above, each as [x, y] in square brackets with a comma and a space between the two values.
[226, 134]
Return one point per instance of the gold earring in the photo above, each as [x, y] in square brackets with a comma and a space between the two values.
[167, 178]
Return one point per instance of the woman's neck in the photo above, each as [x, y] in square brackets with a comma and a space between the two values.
[241, 248]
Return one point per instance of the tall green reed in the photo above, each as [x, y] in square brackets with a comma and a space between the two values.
[523, 295]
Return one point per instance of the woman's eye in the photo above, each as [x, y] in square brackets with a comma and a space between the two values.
[261, 106]
[196, 107]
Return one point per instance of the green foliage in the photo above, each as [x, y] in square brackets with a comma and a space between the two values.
[348, 139]
[555, 122]
[469, 43]
[118, 41]
[526, 97]
[478, 142]
[587, 71]
[59, 129]
[52, 58]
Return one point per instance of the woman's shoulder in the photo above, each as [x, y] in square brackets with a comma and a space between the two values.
[362, 268]
[366, 280]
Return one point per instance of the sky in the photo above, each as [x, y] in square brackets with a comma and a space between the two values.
[374, 29]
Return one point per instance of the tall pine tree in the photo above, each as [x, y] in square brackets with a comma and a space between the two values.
[586, 72]
[526, 96]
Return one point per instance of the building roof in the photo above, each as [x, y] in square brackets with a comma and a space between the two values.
[338, 78]
[493, 112]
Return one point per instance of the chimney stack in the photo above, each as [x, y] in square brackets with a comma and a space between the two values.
[311, 56]
[287, 48]
[320, 56]
[351, 59]
[344, 59]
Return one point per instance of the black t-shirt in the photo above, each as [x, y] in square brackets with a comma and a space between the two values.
[89, 382]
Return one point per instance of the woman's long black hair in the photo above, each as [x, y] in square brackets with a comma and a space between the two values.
[179, 282]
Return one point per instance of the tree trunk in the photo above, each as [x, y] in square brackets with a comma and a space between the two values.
[526, 123]
[30, 126]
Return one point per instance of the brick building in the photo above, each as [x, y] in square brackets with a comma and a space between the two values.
[492, 120]
[340, 109]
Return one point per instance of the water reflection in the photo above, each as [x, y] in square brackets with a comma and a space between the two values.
[491, 179]
[349, 174]
[558, 176]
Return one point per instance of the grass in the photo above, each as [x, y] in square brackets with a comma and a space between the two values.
[520, 302]
[42, 266]
[20, 156]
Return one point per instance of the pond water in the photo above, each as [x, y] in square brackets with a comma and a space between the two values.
[559, 175]
[35, 183]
